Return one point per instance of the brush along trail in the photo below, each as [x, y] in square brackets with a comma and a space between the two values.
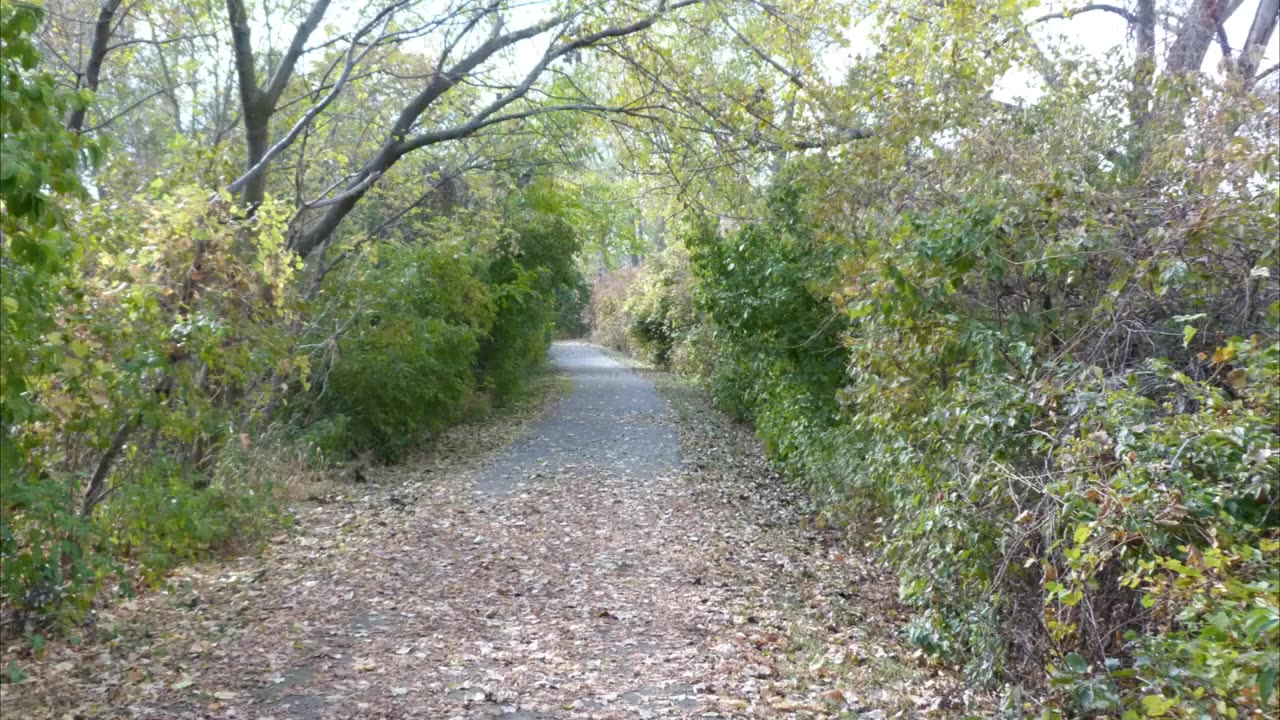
[625, 554]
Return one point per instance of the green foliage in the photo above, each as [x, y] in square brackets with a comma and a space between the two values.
[1045, 440]
[402, 359]
[1052, 402]
[39, 166]
[533, 267]
[158, 519]
[649, 311]
[415, 332]
[136, 339]
[571, 306]
[41, 539]
[161, 348]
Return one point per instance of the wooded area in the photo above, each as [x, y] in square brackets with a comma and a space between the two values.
[1025, 343]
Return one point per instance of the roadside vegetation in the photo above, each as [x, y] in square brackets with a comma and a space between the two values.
[1035, 360]
[1024, 342]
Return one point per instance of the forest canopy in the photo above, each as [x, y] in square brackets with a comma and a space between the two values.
[1025, 342]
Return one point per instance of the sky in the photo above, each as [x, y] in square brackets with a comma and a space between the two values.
[1095, 33]
[1098, 33]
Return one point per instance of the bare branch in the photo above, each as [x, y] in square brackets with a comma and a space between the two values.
[351, 60]
[157, 42]
[1091, 7]
[130, 108]
[98, 489]
[792, 75]
[280, 78]
[396, 145]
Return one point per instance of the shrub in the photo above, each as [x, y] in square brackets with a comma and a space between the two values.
[401, 359]
[649, 311]
[609, 324]
[409, 335]
[1047, 383]
[533, 266]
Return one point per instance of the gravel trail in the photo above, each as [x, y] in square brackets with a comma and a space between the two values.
[613, 421]
[624, 556]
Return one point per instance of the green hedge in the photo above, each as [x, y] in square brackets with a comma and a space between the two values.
[1102, 534]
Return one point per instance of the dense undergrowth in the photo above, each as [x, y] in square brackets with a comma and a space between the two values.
[169, 362]
[1028, 345]
[1044, 381]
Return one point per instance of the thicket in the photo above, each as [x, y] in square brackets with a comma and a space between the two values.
[167, 358]
[1040, 358]
[429, 330]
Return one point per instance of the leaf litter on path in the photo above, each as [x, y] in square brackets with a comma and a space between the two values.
[583, 592]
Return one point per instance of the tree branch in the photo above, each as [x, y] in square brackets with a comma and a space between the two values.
[130, 108]
[1091, 7]
[1199, 28]
[396, 146]
[261, 165]
[97, 53]
[1264, 23]
[280, 78]
[97, 489]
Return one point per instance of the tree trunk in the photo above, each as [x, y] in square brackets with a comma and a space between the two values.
[1255, 46]
[1198, 30]
[1144, 64]
[97, 53]
[257, 138]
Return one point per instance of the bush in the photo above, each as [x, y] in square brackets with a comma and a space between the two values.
[609, 324]
[571, 306]
[1049, 385]
[415, 331]
[403, 359]
[649, 311]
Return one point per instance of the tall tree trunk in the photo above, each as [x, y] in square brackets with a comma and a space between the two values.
[97, 53]
[1199, 28]
[1144, 64]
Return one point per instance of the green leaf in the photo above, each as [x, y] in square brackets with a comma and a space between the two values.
[1157, 705]
[185, 682]
[1082, 533]
[1267, 682]
[1076, 663]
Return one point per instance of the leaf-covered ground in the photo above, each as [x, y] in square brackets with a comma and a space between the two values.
[579, 591]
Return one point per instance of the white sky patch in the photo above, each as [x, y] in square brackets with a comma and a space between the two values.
[1093, 34]
[1098, 34]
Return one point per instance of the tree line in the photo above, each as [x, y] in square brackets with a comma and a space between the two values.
[1027, 346]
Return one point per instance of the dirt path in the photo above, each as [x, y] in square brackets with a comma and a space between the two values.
[583, 572]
